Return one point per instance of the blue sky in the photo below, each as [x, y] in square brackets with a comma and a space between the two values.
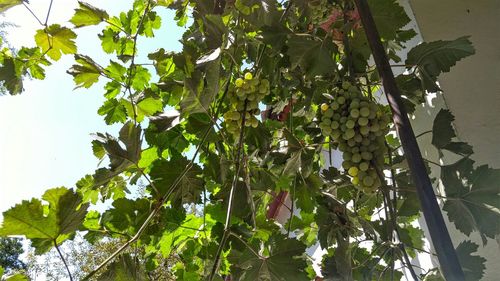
[45, 132]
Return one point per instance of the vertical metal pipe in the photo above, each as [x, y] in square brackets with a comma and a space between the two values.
[448, 260]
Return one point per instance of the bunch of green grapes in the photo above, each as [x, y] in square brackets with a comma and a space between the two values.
[319, 11]
[358, 126]
[244, 100]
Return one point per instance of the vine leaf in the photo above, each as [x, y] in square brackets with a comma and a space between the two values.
[442, 129]
[10, 78]
[113, 111]
[120, 158]
[472, 197]
[45, 224]
[389, 17]
[473, 266]
[284, 262]
[7, 4]
[199, 92]
[443, 133]
[434, 58]
[86, 72]
[87, 14]
[314, 57]
[55, 40]
[164, 173]
[126, 215]
[123, 269]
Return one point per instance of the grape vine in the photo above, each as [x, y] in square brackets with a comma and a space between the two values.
[196, 165]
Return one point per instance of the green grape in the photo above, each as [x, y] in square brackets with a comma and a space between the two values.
[374, 127]
[366, 155]
[362, 121]
[347, 155]
[350, 124]
[334, 105]
[363, 166]
[328, 113]
[351, 143]
[364, 130]
[334, 125]
[327, 122]
[368, 181]
[364, 111]
[355, 180]
[356, 158]
[346, 164]
[354, 113]
[341, 100]
[349, 133]
[353, 171]
[336, 134]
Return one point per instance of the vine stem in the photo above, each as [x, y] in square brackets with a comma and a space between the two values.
[63, 260]
[432, 213]
[227, 224]
[393, 220]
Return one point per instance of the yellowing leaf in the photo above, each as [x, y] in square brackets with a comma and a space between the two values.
[55, 40]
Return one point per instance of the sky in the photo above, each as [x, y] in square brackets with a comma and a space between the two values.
[45, 138]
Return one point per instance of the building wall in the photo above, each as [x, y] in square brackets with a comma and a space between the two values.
[471, 91]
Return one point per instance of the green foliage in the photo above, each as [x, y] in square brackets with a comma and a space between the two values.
[123, 269]
[88, 15]
[434, 58]
[443, 133]
[282, 263]
[55, 40]
[472, 197]
[181, 184]
[473, 265]
[46, 225]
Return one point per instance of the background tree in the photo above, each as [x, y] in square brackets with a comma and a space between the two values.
[10, 250]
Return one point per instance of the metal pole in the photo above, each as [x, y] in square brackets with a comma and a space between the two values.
[440, 237]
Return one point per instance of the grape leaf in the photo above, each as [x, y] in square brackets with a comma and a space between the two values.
[7, 4]
[472, 197]
[125, 268]
[284, 262]
[197, 97]
[126, 216]
[56, 39]
[389, 17]
[11, 79]
[148, 107]
[86, 72]
[443, 133]
[473, 266]
[113, 111]
[120, 158]
[164, 173]
[46, 224]
[314, 57]
[434, 58]
[442, 129]
[87, 14]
